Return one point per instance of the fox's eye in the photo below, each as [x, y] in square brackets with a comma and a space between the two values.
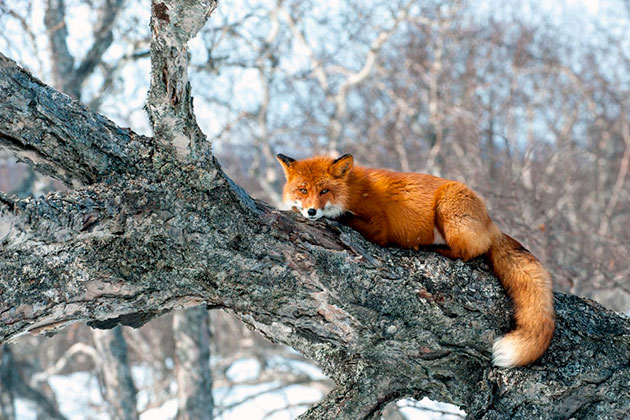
[303, 191]
[324, 191]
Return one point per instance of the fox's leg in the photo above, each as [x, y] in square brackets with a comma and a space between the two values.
[370, 231]
[463, 221]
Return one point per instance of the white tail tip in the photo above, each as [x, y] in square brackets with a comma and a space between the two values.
[504, 352]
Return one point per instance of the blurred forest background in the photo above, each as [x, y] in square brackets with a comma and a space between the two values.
[527, 102]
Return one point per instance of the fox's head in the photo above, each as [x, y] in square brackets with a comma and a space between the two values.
[316, 187]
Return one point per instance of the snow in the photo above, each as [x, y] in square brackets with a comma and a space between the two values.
[78, 395]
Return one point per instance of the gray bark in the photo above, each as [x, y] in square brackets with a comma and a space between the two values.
[191, 330]
[157, 225]
[115, 374]
[42, 131]
[170, 104]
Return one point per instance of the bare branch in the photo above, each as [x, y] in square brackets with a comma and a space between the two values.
[191, 331]
[621, 175]
[316, 64]
[62, 60]
[340, 98]
[169, 104]
[103, 37]
[62, 362]
[13, 383]
[115, 374]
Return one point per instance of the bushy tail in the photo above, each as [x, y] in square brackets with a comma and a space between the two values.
[529, 285]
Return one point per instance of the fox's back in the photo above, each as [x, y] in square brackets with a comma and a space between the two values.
[401, 187]
[398, 206]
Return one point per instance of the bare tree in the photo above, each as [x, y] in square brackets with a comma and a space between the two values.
[115, 373]
[192, 364]
[154, 224]
[7, 397]
[14, 385]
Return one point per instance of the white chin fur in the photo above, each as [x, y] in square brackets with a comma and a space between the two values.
[504, 353]
[331, 211]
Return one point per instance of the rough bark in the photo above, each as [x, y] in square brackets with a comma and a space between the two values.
[118, 387]
[159, 226]
[170, 104]
[41, 129]
[191, 330]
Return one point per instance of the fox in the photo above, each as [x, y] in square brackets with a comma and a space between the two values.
[413, 210]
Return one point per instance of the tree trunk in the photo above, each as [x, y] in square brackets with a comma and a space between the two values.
[157, 225]
[13, 385]
[116, 381]
[191, 329]
[7, 397]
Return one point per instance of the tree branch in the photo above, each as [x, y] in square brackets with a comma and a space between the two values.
[66, 78]
[341, 97]
[60, 137]
[169, 105]
[13, 383]
[383, 323]
[62, 60]
[115, 374]
[103, 37]
[191, 331]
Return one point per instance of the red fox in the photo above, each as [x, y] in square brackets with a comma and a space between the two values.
[410, 210]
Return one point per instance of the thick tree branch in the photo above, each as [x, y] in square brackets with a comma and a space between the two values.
[58, 218]
[415, 324]
[60, 137]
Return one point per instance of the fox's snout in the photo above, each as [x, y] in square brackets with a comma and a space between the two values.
[313, 213]
[329, 210]
[309, 212]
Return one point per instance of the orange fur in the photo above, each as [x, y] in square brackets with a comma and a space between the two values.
[412, 210]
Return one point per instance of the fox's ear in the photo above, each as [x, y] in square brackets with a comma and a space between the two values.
[341, 166]
[286, 163]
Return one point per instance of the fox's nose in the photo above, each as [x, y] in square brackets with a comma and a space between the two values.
[312, 212]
